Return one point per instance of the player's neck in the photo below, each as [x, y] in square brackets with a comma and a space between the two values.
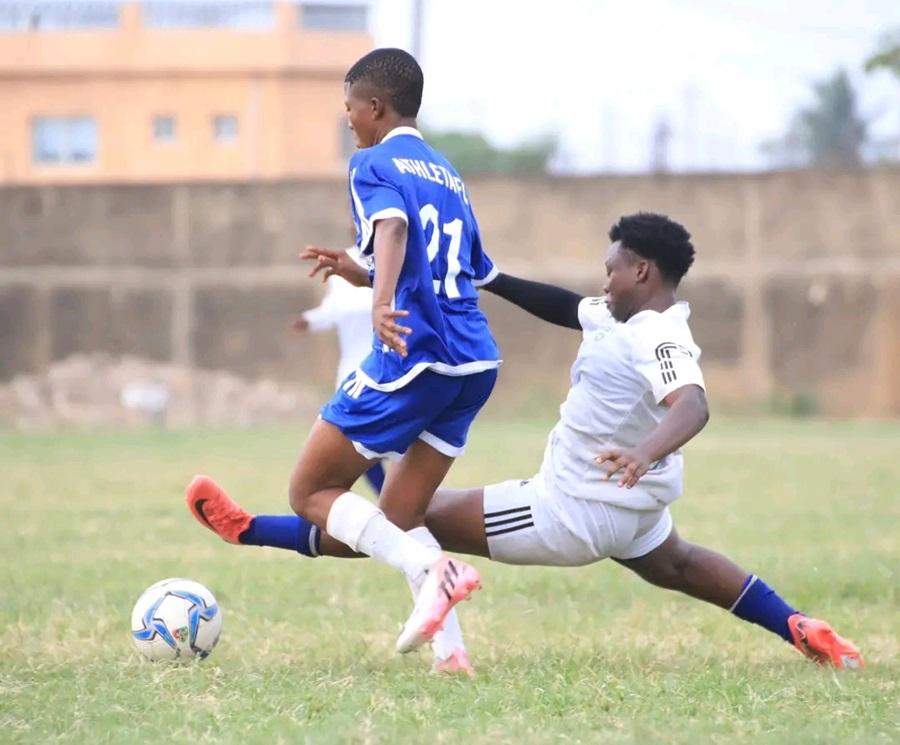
[660, 301]
[394, 123]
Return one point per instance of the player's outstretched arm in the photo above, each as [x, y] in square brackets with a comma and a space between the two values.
[550, 303]
[688, 413]
[327, 261]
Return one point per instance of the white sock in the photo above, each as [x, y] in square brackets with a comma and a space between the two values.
[450, 637]
[354, 520]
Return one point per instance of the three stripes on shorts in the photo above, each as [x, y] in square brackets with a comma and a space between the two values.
[507, 521]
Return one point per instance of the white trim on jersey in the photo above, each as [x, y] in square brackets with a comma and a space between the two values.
[397, 131]
[365, 227]
[491, 276]
[389, 212]
[442, 446]
[441, 368]
[372, 455]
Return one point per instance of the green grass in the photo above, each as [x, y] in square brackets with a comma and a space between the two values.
[584, 655]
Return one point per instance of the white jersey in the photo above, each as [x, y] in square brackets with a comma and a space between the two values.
[621, 375]
[349, 309]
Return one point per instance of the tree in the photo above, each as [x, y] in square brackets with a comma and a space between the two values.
[888, 55]
[829, 133]
[472, 153]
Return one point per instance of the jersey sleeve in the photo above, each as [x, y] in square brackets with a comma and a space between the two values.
[484, 271]
[593, 313]
[668, 362]
[373, 197]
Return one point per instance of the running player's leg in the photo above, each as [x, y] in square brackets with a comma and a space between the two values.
[327, 468]
[708, 575]
[375, 477]
[406, 495]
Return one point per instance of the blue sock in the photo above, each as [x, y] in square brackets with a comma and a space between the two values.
[283, 531]
[760, 604]
[375, 477]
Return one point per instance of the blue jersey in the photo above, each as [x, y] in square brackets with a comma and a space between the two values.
[405, 177]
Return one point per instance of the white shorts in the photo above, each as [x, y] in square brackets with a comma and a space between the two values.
[525, 524]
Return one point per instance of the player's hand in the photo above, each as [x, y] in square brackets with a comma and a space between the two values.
[384, 321]
[327, 261]
[630, 463]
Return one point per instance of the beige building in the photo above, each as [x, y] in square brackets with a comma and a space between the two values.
[175, 90]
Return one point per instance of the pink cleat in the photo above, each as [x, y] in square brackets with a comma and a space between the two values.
[214, 509]
[456, 663]
[448, 582]
[818, 641]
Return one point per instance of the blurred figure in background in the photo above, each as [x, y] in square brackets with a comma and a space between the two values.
[349, 310]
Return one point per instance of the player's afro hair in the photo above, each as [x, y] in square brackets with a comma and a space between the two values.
[659, 239]
[395, 75]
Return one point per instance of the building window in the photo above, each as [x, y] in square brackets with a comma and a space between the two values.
[61, 140]
[334, 16]
[243, 16]
[225, 128]
[24, 15]
[164, 129]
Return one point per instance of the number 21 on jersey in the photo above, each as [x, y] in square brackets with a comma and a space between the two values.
[453, 229]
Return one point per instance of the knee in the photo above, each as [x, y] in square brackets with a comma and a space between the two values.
[672, 570]
[680, 563]
[299, 493]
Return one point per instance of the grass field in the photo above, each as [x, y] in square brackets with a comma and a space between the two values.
[587, 655]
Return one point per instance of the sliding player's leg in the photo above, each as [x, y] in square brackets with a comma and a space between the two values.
[407, 493]
[707, 575]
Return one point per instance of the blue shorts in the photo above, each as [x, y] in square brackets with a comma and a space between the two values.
[438, 409]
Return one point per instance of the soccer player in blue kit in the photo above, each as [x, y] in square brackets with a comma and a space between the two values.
[432, 367]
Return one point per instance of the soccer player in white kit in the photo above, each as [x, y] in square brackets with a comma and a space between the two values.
[613, 464]
[348, 309]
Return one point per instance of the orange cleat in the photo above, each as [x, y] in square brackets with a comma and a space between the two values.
[818, 641]
[456, 663]
[448, 582]
[215, 510]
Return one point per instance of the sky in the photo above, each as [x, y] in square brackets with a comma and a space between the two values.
[726, 75]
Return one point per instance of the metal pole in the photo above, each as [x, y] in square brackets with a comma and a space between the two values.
[417, 23]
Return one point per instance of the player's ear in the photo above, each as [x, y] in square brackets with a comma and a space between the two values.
[643, 270]
[377, 107]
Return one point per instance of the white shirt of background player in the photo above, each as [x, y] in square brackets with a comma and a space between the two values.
[349, 310]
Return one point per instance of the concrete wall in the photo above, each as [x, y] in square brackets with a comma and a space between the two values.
[795, 292]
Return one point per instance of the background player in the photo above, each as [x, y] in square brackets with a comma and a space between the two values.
[612, 463]
[347, 309]
[416, 394]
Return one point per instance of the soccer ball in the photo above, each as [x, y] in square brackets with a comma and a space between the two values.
[176, 618]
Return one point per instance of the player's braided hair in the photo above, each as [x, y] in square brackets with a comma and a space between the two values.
[395, 75]
[659, 239]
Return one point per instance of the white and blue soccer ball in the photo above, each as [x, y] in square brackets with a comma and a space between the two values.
[176, 619]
